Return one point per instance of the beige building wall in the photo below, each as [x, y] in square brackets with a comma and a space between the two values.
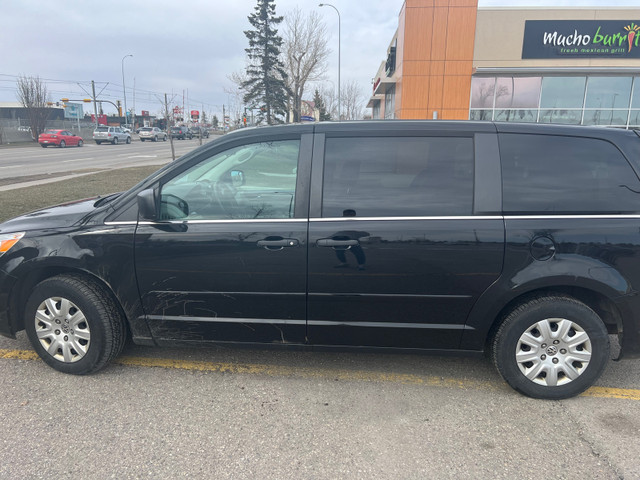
[500, 33]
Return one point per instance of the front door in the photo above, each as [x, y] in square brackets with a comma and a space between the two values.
[227, 259]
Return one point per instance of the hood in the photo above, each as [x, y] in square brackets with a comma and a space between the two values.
[59, 216]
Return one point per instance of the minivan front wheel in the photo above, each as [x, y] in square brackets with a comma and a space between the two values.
[551, 347]
[73, 324]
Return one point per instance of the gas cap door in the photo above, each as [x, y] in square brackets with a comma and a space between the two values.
[542, 248]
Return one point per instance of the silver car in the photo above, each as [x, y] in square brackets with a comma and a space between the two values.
[152, 133]
[113, 135]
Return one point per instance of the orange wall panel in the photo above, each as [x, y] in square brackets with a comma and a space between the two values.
[439, 33]
[415, 91]
[416, 68]
[458, 67]
[455, 93]
[461, 30]
[417, 33]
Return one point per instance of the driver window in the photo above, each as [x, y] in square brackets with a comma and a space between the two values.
[251, 181]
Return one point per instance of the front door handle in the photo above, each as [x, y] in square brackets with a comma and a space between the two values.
[330, 242]
[278, 243]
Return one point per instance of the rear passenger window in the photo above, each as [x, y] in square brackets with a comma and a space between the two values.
[549, 174]
[398, 176]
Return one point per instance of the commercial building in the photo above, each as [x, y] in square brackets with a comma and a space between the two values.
[450, 59]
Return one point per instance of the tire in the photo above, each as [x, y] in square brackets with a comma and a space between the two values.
[43, 145]
[128, 141]
[73, 324]
[98, 142]
[63, 144]
[155, 139]
[164, 139]
[142, 139]
[551, 347]
[80, 143]
[114, 141]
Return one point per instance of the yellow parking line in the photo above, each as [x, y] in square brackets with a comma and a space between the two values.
[321, 373]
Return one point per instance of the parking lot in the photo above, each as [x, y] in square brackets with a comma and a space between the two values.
[227, 412]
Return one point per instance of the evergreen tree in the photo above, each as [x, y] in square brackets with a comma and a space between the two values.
[319, 104]
[215, 121]
[265, 86]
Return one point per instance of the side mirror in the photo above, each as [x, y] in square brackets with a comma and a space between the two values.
[147, 205]
[237, 178]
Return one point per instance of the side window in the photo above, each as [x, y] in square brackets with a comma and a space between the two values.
[248, 182]
[549, 174]
[398, 176]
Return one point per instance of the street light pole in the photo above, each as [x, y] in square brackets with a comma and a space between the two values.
[124, 90]
[339, 100]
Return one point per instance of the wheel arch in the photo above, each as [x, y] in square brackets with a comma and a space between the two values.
[26, 283]
[600, 303]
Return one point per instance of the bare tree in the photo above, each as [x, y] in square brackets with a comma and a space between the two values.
[33, 94]
[305, 53]
[352, 101]
[330, 98]
[235, 95]
[167, 113]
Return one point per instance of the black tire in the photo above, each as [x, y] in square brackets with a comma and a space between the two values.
[43, 145]
[80, 143]
[63, 144]
[164, 139]
[142, 139]
[128, 141]
[98, 142]
[155, 139]
[90, 310]
[527, 344]
[114, 141]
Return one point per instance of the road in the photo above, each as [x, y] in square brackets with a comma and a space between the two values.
[51, 160]
[230, 413]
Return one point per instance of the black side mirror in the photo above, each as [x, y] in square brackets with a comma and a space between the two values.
[147, 205]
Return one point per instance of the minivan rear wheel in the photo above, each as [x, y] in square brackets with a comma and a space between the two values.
[551, 347]
[73, 324]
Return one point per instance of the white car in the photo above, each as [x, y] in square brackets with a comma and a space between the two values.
[113, 135]
[152, 133]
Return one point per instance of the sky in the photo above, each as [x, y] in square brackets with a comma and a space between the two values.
[182, 47]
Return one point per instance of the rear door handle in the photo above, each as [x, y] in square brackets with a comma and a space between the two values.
[330, 242]
[278, 243]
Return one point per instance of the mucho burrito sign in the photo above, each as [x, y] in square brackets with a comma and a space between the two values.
[581, 38]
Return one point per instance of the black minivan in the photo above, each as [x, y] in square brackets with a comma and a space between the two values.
[519, 240]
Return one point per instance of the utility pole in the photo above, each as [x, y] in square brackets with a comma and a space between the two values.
[95, 104]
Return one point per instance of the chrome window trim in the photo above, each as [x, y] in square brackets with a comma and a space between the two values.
[396, 219]
[366, 219]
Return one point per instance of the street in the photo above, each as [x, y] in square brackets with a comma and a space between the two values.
[52, 160]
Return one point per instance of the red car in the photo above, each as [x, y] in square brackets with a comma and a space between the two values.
[59, 138]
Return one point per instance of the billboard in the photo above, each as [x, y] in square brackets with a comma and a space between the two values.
[73, 111]
[581, 38]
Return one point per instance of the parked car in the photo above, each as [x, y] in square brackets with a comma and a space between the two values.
[197, 131]
[152, 133]
[517, 239]
[59, 138]
[113, 135]
[180, 133]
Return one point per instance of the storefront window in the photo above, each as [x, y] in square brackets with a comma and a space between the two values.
[562, 92]
[482, 92]
[512, 115]
[571, 100]
[567, 117]
[390, 103]
[518, 92]
[635, 98]
[608, 92]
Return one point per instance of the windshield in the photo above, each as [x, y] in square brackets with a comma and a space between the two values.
[102, 129]
[146, 129]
